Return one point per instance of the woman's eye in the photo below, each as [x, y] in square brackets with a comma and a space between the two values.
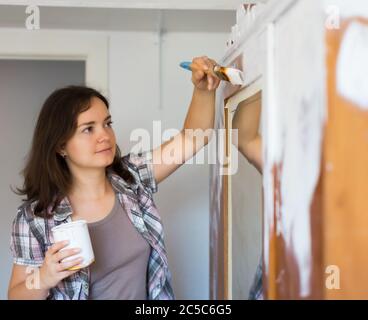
[109, 123]
[88, 129]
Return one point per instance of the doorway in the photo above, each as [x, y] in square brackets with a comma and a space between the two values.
[24, 86]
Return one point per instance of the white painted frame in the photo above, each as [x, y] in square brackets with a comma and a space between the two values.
[232, 104]
[256, 48]
[244, 94]
[91, 47]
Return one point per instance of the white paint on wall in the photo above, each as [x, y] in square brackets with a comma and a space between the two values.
[293, 117]
[269, 145]
[352, 65]
[299, 79]
[357, 8]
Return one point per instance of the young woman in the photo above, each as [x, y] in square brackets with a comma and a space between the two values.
[75, 171]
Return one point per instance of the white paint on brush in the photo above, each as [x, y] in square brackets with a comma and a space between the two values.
[235, 76]
[352, 65]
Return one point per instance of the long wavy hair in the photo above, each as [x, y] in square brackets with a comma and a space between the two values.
[47, 178]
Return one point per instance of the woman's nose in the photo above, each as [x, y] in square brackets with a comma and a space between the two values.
[103, 135]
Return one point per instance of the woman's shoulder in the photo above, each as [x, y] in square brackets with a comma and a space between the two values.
[141, 166]
[26, 210]
[27, 225]
[137, 160]
[135, 164]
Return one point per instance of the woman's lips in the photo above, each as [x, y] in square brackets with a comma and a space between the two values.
[104, 151]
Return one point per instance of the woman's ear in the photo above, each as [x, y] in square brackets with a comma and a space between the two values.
[61, 151]
[62, 154]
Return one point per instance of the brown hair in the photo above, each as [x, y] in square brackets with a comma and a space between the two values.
[46, 173]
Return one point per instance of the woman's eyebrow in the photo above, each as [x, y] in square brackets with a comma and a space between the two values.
[93, 122]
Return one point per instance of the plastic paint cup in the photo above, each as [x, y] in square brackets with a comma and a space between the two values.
[77, 234]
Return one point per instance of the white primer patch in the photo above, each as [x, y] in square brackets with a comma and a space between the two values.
[269, 125]
[348, 9]
[352, 65]
[294, 129]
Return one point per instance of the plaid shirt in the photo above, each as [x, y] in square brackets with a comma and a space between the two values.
[256, 291]
[31, 235]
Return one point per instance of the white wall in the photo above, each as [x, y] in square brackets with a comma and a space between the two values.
[183, 199]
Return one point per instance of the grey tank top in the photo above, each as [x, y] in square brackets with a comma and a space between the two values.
[121, 258]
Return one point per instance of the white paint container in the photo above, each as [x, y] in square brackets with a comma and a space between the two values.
[77, 234]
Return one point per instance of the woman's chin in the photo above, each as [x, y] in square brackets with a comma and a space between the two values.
[109, 162]
[105, 162]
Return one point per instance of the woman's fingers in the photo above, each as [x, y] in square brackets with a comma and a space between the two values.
[198, 73]
[213, 80]
[69, 264]
[202, 68]
[216, 83]
[201, 62]
[57, 257]
[52, 271]
[210, 82]
[56, 247]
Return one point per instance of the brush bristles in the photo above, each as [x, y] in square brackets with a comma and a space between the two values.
[222, 75]
[231, 75]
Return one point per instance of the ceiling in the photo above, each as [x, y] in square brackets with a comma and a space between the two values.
[136, 4]
[121, 19]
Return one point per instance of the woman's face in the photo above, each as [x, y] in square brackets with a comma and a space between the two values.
[93, 144]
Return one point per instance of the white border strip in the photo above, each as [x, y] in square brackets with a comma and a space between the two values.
[132, 4]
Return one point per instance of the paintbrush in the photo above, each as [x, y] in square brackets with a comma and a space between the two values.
[232, 75]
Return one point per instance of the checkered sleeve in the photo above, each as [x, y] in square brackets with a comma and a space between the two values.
[25, 248]
[143, 162]
[256, 291]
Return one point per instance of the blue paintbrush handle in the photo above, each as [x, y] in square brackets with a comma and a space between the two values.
[186, 65]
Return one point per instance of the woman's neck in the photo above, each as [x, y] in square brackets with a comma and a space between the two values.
[90, 187]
